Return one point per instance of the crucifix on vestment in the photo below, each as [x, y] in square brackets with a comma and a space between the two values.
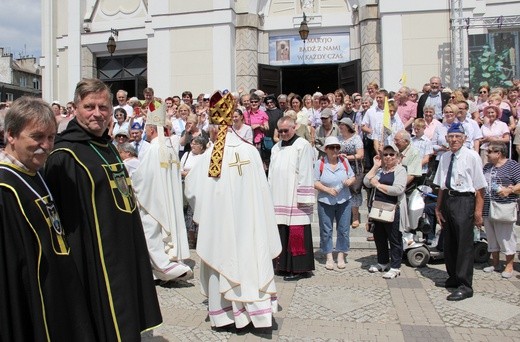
[238, 163]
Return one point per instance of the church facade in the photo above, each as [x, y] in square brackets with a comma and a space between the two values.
[204, 45]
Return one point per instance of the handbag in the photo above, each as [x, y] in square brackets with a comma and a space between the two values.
[358, 182]
[382, 211]
[503, 212]
[267, 144]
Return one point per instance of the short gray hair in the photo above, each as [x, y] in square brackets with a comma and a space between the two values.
[25, 110]
[89, 86]
[127, 147]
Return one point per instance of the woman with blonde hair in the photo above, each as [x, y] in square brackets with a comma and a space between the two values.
[493, 130]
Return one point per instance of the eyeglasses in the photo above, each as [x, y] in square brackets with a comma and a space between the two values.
[388, 154]
[334, 147]
[413, 94]
[492, 151]
[358, 99]
[253, 101]
[282, 131]
[270, 102]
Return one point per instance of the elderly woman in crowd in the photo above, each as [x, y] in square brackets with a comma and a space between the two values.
[191, 131]
[503, 178]
[188, 161]
[244, 131]
[431, 122]
[493, 130]
[388, 179]
[179, 121]
[439, 143]
[352, 150]
[332, 178]
[120, 124]
[129, 156]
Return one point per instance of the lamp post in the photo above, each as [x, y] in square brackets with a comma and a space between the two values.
[304, 33]
[111, 44]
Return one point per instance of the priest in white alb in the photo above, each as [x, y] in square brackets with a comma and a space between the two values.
[292, 185]
[238, 236]
[158, 188]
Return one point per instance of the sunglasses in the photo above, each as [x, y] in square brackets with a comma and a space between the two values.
[270, 102]
[483, 92]
[282, 131]
[334, 147]
[357, 99]
[120, 136]
[254, 101]
[388, 154]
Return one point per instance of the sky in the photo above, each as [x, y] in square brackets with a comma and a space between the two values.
[20, 27]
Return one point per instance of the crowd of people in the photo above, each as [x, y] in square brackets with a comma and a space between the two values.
[236, 176]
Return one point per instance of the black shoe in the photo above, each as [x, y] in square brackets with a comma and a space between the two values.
[292, 277]
[460, 295]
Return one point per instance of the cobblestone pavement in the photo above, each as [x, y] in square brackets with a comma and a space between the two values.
[355, 305]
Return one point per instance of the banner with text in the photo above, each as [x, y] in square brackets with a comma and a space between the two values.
[318, 49]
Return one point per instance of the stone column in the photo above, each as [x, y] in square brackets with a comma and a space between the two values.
[247, 51]
[370, 36]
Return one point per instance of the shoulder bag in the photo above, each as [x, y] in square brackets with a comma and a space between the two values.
[381, 211]
[503, 212]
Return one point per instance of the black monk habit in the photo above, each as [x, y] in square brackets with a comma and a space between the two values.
[41, 296]
[97, 206]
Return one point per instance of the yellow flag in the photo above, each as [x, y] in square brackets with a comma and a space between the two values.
[402, 81]
[386, 115]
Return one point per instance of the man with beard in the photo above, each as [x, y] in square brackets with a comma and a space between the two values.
[434, 97]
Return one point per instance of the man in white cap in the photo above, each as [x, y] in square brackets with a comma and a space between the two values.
[158, 188]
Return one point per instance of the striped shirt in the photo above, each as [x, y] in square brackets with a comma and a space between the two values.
[503, 176]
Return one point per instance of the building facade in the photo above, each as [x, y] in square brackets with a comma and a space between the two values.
[204, 45]
[18, 77]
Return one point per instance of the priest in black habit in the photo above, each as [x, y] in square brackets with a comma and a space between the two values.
[41, 295]
[96, 202]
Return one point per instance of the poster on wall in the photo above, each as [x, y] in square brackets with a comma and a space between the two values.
[318, 49]
[494, 59]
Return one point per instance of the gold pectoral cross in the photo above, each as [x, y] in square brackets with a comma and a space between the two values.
[238, 163]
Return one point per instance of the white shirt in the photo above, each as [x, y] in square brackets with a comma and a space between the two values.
[466, 175]
[373, 118]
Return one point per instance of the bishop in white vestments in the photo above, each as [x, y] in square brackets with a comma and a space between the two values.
[238, 236]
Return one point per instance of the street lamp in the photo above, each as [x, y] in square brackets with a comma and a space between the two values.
[111, 44]
[304, 29]
[304, 33]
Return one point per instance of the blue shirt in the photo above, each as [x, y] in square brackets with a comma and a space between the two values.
[333, 179]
